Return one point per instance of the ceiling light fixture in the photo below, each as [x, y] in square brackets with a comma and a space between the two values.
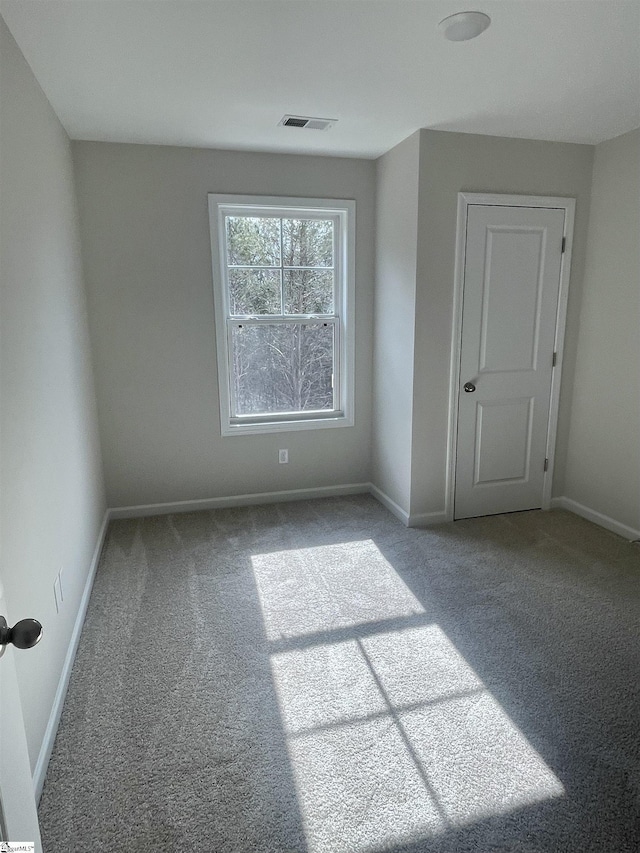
[464, 25]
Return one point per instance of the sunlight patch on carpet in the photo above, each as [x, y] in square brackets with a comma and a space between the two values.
[391, 734]
[328, 587]
[476, 760]
[358, 787]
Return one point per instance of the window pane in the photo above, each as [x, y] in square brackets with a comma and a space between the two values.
[308, 292]
[254, 291]
[253, 241]
[282, 367]
[307, 242]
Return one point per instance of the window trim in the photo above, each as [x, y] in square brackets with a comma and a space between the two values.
[344, 210]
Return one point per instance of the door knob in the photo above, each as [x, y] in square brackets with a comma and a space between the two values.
[469, 387]
[25, 634]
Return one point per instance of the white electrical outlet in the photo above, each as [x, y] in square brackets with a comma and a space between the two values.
[283, 456]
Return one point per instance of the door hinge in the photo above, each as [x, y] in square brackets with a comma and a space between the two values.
[555, 359]
[546, 464]
[564, 244]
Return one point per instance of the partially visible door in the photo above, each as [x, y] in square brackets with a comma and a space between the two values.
[511, 286]
[17, 799]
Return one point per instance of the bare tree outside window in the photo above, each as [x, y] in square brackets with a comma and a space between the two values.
[284, 293]
[281, 267]
[283, 368]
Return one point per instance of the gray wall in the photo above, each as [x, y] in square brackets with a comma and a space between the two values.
[603, 457]
[450, 163]
[52, 499]
[147, 256]
[395, 294]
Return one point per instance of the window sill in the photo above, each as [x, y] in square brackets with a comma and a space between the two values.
[286, 426]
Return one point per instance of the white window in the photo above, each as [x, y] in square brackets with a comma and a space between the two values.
[283, 276]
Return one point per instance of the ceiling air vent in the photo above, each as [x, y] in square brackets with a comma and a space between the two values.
[307, 122]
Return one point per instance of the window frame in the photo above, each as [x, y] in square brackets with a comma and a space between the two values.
[343, 213]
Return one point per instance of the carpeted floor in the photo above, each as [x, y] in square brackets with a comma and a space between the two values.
[314, 677]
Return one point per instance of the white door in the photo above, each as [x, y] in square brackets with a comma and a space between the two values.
[17, 800]
[511, 284]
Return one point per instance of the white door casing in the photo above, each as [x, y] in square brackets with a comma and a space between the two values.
[511, 289]
[17, 798]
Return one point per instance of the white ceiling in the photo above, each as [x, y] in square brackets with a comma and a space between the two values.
[222, 73]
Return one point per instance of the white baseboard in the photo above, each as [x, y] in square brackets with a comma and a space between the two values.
[423, 519]
[426, 519]
[391, 505]
[144, 510]
[48, 740]
[597, 517]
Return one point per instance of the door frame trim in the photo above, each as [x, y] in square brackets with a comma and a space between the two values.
[466, 200]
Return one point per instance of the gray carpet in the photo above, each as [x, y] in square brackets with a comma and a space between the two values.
[314, 677]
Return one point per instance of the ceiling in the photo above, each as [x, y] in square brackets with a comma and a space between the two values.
[222, 73]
